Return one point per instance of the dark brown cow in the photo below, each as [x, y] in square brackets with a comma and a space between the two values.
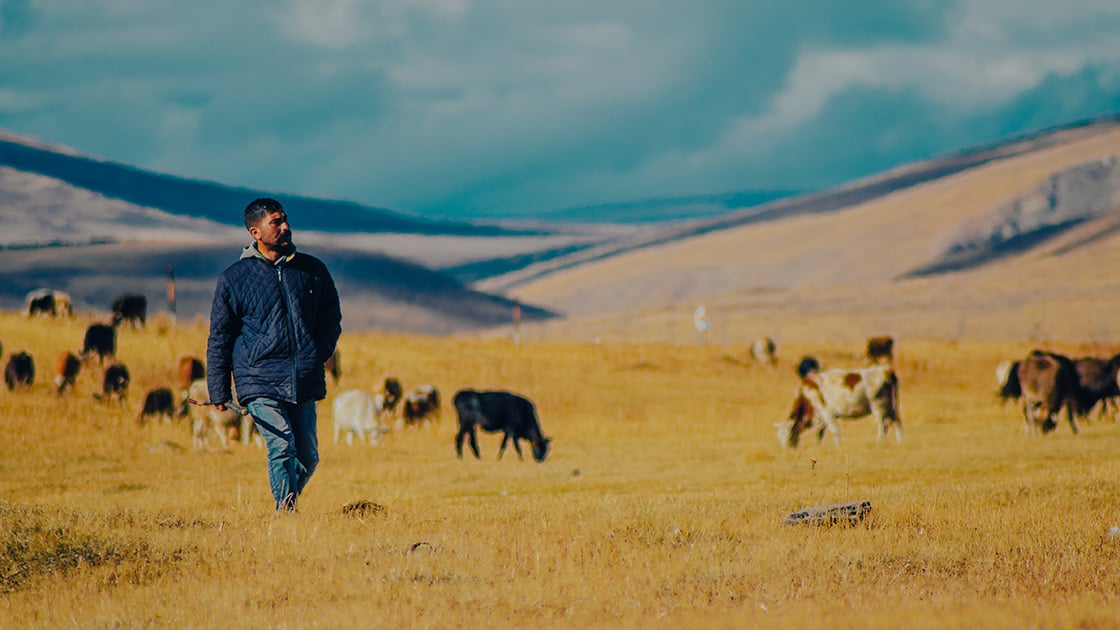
[131, 307]
[392, 392]
[1049, 382]
[880, 349]
[66, 369]
[1096, 379]
[19, 373]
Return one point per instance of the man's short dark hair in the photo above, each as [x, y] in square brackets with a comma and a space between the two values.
[259, 209]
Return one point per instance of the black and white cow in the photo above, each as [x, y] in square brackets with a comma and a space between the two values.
[494, 411]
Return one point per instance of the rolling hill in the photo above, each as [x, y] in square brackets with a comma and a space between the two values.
[1020, 239]
[894, 252]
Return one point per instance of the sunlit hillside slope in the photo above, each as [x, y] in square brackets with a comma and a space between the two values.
[855, 260]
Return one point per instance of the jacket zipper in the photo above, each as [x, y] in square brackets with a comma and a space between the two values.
[291, 334]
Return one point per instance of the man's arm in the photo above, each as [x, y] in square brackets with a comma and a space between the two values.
[224, 328]
[329, 324]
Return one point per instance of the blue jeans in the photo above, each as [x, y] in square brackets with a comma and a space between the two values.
[291, 435]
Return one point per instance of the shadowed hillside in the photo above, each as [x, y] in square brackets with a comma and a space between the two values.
[378, 292]
[210, 200]
[1066, 199]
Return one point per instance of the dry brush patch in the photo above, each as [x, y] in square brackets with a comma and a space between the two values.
[661, 503]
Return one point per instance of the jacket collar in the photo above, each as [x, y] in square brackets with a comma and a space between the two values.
[251, 251]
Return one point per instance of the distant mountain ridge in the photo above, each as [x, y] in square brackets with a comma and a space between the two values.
[213, 201]
[839, 198]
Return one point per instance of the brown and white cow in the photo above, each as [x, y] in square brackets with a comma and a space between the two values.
[829, 395]
[66, 369]
[189, 370]
[764, 351]
[421, 405]
[1048, 381]
[880, 349]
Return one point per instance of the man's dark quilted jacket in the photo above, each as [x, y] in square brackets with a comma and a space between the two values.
[273, 326]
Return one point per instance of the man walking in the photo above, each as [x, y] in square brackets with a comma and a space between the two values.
[274, 321]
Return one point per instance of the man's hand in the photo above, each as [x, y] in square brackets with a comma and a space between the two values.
[220, 406]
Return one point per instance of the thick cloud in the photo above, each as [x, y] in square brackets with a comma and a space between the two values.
[463, 106]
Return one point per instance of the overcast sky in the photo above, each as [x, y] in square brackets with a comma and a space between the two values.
[485, 107]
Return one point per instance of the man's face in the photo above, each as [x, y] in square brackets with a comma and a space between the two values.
[273, 232]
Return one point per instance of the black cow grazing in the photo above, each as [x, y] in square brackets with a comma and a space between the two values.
[159, 402]
[100, 339]
[131, 307]
[333, 366]
[66, 369]
[19, 373]
[806, 366]
[421, 404]
[509, 413]
[114, 384]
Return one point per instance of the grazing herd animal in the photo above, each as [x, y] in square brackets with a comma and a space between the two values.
[357, 412]
[880, 349]
[158, 403]
[114, 384]
[392, 391]
[48, 302]
[100, 340]
[765, 351]
[19, 373]
[499, 411]
[1047, 382]
[66, 369]
[132, 308]
[421, 405]
[825, 396]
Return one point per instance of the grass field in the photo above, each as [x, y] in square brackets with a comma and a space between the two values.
[661, 504]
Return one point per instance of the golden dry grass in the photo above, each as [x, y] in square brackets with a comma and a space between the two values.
[660, 506]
